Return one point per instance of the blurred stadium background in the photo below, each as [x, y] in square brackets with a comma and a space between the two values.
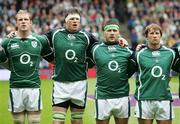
[133, 16]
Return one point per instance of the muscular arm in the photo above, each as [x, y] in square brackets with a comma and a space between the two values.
[132, 65]
[3, 58]
[176, 64]
[49, 36]
[47, 51]
[93, 42]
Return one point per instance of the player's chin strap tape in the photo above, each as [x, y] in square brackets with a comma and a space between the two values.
[59, 116]
[76, 115]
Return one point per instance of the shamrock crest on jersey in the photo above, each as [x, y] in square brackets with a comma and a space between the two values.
[34, 44]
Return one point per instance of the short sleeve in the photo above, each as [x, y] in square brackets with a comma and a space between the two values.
[46, 52]
[3, 51]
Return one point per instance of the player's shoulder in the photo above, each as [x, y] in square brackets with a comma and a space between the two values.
[85, 32]
[143, 50]
[37, 36]
[128, 49]
[141, 53]
[98, 45]
[6, 40]
[176, 46]
[168, 49]
[56, 30]
[41, 39]
[59, 29]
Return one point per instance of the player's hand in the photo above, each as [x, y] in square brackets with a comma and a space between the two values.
[12, 34]
[140, 46]
[123, 42]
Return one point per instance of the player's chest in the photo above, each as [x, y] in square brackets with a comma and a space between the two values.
[66, 42]
[155, 58]
[111, 53]
[28, 46]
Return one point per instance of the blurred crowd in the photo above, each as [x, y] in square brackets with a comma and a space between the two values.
[166, 13]
[136, 14]
[49, 14]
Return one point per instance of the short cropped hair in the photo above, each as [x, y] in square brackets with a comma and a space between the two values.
[72, 10]
[111, 22]
[152, 26]
[24, 12]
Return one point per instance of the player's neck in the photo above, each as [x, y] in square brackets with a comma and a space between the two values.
[23, 34]
[154, 47]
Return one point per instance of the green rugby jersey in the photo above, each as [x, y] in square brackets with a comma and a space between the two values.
[153, 77]
[24, 55]
[3, 57]
[112, 70]
[176, 48]
[70, 51]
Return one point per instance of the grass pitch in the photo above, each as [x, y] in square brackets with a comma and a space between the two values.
[46, 117]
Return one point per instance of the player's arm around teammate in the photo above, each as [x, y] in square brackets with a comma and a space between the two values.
[71, 46]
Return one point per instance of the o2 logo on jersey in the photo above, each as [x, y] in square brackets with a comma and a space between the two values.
[71, 55]
[113, 66]
[26, 59]
[157, 72]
